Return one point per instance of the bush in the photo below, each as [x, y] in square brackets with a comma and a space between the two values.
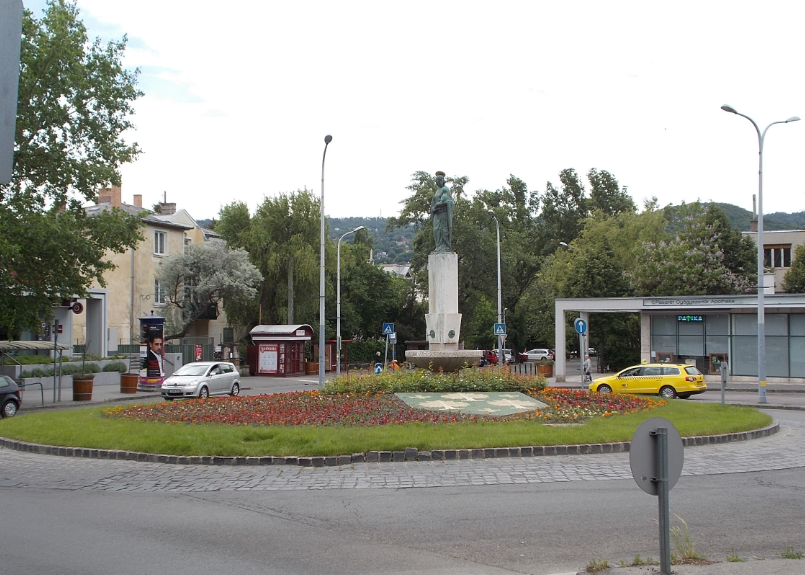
[118, 366]
[421, 380]
[76, 368]
[38, 372]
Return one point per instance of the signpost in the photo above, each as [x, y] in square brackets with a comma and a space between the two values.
[656, 456]
[388, 331]
[581, 328]
[10, 33]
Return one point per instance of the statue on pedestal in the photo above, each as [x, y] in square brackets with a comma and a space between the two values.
[441, 212]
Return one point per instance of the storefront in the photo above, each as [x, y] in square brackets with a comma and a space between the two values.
[704, 331]
[278, 350]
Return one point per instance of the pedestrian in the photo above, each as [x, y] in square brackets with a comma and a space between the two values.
[378, 369]
[587, 376]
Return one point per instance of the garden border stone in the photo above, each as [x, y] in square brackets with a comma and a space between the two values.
[409, 454]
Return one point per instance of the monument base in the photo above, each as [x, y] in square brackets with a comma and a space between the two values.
[447, 361]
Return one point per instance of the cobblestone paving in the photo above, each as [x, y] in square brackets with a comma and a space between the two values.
[784, 450]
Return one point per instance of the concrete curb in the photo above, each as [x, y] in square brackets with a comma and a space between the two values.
[409, 454]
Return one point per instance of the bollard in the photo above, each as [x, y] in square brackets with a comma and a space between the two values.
[724, 369]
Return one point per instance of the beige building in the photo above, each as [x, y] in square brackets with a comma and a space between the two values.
[132, 290]
[779, 247]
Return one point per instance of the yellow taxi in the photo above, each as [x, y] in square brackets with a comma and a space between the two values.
[668, 380]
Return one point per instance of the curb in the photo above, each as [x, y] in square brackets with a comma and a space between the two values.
[409, 454]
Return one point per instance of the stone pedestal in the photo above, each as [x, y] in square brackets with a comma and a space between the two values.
[443, 322]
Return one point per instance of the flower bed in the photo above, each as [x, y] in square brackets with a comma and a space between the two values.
[312, 408]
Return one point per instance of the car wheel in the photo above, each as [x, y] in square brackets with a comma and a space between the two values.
[604, 389]
[235, 389]
[10, 408]
[683, 395]
[203, 393]
[168, 398]
[667, 392]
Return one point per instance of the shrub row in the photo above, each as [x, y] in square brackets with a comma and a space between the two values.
[75, 368]
[421, 380]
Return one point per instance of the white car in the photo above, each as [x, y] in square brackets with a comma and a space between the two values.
[202, 379]
[535, 355]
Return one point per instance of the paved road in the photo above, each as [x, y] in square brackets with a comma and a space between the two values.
[531, 515]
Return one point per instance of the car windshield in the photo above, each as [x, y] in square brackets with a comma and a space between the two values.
[192, 369]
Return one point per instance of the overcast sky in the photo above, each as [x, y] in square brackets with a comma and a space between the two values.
[239, 96]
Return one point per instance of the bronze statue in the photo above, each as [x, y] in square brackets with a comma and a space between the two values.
[441, 211]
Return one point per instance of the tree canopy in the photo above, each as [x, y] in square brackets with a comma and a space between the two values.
[75, 102]
[200, 279]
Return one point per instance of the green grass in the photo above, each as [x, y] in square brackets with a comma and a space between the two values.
[89, 428]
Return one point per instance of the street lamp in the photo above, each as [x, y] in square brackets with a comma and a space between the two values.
[761, 317]
[327, 140]
[338, 298]
[501, 359]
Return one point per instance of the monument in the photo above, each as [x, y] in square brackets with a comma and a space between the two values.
[443, 320]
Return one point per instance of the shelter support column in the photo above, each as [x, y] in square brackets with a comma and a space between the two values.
[559, 334]
[645, 337]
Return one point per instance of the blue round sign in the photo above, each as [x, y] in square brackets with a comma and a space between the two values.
[580, 325]
[378, 368]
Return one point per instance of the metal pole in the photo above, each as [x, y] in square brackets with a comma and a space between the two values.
[327, 140]
[501, 359]
[338, 300]
[661, 434]
[55, 354]
[761, 311]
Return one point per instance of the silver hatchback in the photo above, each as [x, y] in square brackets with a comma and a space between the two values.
[202, 379]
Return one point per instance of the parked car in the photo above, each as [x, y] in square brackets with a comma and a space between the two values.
[10, 397]
[591, 351]
[202, 379]
[536, 354]
[490, 356]
[664, 379]
[507, 354]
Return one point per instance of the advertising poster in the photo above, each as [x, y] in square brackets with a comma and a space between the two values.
[268, 358]
[152, 354]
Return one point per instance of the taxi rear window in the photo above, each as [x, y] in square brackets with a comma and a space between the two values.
[692, 371]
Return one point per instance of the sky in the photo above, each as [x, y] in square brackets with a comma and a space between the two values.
[239, 97]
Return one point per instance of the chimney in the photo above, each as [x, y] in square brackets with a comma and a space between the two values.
[104, 196]
[753, 225]
[115, 194]
[167, 208]
[138, 200]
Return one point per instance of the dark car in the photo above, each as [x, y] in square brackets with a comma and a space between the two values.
[10, 397]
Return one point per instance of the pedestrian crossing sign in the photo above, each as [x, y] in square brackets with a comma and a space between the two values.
[388, 328]
[500, 329]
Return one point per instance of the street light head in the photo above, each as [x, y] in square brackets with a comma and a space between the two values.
[359, 228]
[491, 213]
[792, 119]
[328, 138]
[728, 108]
[564, 244]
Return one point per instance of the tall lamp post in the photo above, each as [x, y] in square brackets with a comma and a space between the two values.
[761, 316]
[327, 140]
[338, 299]
[501, 359]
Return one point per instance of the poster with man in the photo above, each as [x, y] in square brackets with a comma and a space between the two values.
[152, 354]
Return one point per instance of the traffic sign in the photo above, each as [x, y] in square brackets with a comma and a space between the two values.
[378, 368]
[643, 455]
[580, 325]
[388, 328]
[500, 329]
[393, 337]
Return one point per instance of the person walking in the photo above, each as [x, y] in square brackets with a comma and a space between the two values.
[587, 377]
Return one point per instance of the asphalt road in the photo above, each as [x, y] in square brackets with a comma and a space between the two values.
[531, 515]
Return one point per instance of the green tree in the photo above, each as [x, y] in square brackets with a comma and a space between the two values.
[562, 211]
[693, 262]
[794, 280]
[74, 105]
[607, 196]
[202, 278]
[282, 239]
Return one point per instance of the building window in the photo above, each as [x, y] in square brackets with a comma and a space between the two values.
[160, 243]
[159, 293]
[777, 256]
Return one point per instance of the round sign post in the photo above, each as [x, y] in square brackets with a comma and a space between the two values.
[656, 456]
[581, 328]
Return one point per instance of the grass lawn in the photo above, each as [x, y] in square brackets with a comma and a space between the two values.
[90, 428]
